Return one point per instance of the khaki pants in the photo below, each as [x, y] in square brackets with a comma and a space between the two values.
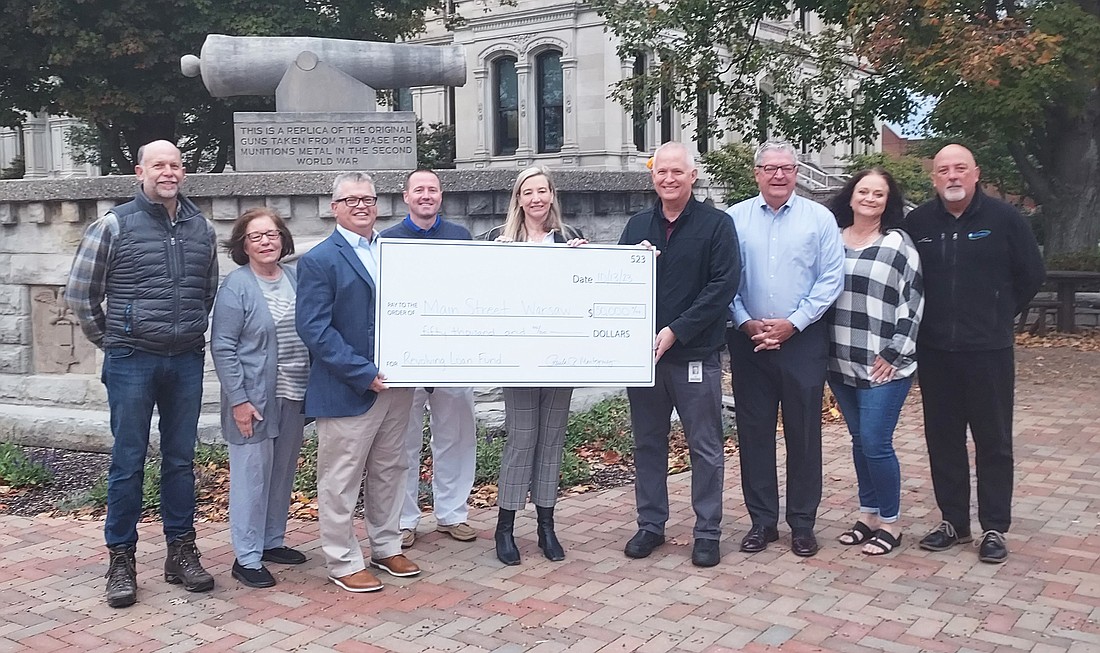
[373, 442]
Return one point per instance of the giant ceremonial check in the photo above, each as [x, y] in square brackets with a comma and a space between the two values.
[471, 313]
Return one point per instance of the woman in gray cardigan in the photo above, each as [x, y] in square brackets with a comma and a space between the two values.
[262, 365]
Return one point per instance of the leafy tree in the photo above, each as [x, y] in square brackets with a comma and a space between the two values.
[435, 146]
[907, 170]
[1022, 75]
[1017, 77]
[719, 61]
[115, 64]
[730, 166]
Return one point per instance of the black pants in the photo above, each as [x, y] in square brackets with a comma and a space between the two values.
[794, 376]
[975, 389]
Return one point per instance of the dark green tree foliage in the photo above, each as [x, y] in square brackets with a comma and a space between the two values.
[116, 64]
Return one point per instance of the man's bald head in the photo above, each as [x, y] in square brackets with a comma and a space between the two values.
[160, 171]
[955, 175]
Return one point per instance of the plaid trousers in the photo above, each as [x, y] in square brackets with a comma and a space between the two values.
[535, 419]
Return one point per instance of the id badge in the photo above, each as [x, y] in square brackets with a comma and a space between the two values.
[695, 372]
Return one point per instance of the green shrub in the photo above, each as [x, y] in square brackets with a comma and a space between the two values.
[19, 471]
[93, 497]
[730, 166]
[574, 470]
[490, 448]
[150, 485]
[305, 481]
[96, 495]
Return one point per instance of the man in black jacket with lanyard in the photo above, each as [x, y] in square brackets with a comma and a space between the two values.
[981, 267]
[697, 275]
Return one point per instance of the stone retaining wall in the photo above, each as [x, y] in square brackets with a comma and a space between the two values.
[46, 365]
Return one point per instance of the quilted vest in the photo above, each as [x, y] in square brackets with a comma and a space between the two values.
[157, 278]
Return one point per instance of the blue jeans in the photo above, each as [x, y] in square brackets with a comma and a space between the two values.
[136, 382]
[872, 414]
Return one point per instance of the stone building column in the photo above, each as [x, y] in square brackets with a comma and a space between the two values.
[526, 94]
[481, 75]
[569, 147]
[36, 147]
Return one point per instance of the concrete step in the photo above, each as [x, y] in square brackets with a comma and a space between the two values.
[78, 429]
[78, 391]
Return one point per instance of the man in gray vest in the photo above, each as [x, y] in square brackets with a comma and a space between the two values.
[142, 286]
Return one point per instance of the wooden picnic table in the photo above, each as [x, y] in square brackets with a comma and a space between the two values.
[1066, 283]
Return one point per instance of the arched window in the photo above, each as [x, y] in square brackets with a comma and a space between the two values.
[638, 109]
[763, 117]
[551, 115]
[505, 106]
[666, 112]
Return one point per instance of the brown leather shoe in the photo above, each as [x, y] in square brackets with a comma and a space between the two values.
[360, 581]
[397, 565]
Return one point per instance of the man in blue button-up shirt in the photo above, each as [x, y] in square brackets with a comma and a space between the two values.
[792, 270]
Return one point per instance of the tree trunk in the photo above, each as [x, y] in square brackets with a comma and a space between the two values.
[1071, 215]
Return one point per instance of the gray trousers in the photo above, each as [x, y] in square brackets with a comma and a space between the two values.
[700, 408]
[261, 475]
[535, 419]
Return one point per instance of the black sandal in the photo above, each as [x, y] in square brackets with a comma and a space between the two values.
[858, 534]
[883, 542]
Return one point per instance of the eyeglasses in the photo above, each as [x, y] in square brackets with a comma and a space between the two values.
[771, 170]
[352, 202]
[257, 236]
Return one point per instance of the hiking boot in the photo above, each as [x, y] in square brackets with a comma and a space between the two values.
[183, 566]
[121, 577]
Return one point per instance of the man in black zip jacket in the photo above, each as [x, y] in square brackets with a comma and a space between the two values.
[697, 275]
[981, 267]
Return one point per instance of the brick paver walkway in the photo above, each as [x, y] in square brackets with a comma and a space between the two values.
[1046, 598]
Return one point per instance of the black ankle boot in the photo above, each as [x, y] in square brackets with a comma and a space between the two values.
[506, 544]
[548, 541]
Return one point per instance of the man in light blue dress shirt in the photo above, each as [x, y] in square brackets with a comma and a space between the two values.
[792, 270]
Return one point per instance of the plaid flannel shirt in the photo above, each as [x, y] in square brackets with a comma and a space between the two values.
[879, 311]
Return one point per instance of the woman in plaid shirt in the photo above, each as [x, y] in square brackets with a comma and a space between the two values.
[873, 328]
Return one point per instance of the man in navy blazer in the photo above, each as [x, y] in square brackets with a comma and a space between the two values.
[360, 421]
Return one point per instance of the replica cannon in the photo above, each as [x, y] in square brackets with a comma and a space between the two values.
[325, 92]
[254, 65]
